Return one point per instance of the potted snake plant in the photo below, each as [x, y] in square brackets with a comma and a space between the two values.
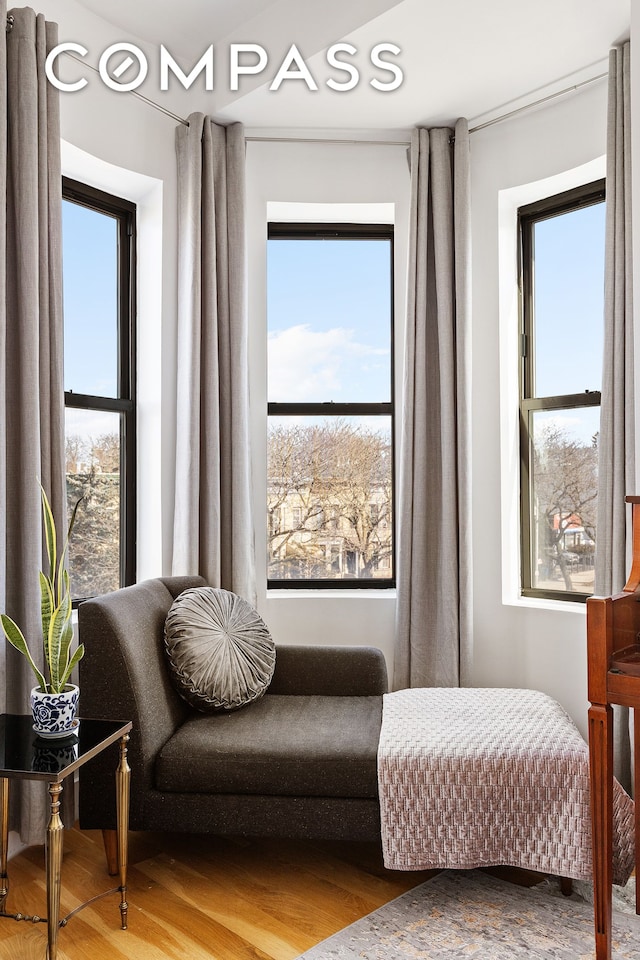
[54, 699]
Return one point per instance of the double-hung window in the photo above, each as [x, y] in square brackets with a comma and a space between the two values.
[562, 297]
[99, 233]
[330, 467]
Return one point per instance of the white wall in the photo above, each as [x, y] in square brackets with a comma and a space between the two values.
[108, 134]
[119, 144]
[325, 173]
[520, 643]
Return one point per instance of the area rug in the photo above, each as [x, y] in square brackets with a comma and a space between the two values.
[470, 914]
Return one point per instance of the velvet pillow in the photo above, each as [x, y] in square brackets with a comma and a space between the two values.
[221, 655]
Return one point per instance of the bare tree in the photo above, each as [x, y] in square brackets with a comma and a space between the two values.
[105, 452]
[76, 453]
[565, 481]
[93, 473]
[329, 500]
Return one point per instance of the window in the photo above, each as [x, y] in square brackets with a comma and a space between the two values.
[562, 286]
[330, 468]
[99, 378]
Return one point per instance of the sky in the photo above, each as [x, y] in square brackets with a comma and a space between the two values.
[89, 251]
[90, 248]
[569, 301]
[569, 312]
[328, 314]
[329, 320]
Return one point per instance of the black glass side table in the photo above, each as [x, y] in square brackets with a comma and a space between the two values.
[26, 756]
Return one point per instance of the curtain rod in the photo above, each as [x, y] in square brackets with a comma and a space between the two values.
[405, 143]
[536, 103]
[135, 93]
[384, 143]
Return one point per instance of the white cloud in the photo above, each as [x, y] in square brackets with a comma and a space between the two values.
[310, 365]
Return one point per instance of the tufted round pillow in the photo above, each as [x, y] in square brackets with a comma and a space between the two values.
[221, 655]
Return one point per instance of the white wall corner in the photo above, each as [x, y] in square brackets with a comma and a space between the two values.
[147, 193]
[509, 201]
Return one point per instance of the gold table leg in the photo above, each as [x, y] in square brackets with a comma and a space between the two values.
[4, 842]
[123, 777]
[53, 855]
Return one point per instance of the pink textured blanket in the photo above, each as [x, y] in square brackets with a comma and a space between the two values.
[475, 777]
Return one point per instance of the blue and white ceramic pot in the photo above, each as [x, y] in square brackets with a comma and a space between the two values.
[54, 714]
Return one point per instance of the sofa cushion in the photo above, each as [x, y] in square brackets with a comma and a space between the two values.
[221, 655]
[278, 746]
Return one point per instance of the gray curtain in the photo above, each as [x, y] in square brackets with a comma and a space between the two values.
[31, 351]
[616, 467]
[433, 628]
[213, 527]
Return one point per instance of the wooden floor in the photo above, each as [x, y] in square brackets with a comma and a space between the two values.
[192, 898]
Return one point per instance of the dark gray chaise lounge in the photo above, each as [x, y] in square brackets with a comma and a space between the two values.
[298, 763]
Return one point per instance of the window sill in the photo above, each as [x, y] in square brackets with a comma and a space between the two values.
[367, 593]
[539, 603]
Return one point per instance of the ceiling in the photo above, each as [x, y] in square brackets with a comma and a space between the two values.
[459, 58]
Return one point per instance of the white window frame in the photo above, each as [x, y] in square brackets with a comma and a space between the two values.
[509, 201]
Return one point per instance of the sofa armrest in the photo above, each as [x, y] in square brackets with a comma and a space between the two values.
[339, 671]
[123, 676]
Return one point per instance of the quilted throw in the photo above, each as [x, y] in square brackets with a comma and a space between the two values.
[478, 777]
